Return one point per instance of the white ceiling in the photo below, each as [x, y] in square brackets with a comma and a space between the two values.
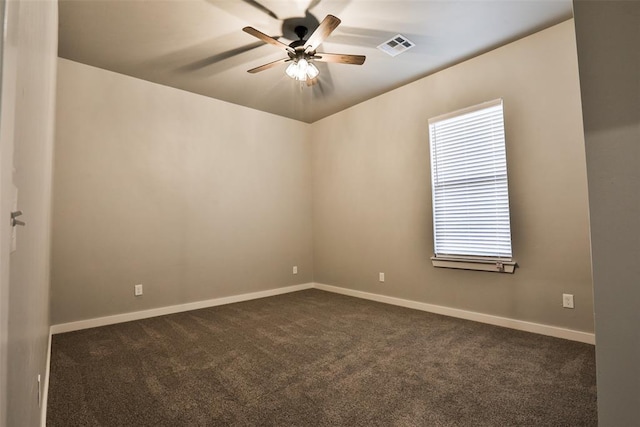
[199, 45]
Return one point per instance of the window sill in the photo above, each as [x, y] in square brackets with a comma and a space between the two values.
[493, 265]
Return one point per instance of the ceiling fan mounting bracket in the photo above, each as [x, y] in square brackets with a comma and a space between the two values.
[289, 25]
[301, 31]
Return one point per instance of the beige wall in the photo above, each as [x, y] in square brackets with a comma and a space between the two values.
[26, 144]
[199, 199]
[608, 36]
[192, 197]
[372, 200]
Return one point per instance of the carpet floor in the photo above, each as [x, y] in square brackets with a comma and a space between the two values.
[314, 358]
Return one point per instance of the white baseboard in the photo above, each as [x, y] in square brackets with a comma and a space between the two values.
[145, 314]
[521, 325]
[45, 386]
[553, 331]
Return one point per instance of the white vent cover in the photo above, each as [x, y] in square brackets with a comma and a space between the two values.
[396, 45]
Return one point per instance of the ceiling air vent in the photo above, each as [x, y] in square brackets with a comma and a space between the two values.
[396, 45]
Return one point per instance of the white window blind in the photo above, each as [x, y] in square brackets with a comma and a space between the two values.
[469, 183]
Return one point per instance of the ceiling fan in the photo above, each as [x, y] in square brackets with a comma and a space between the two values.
[302, 53]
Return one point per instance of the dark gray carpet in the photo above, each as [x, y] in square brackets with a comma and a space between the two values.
[317, 358]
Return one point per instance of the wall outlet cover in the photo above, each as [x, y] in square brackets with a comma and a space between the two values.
[567, 301]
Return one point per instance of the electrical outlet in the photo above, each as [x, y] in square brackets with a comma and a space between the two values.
[137, 290]
[381, 277]
[295, 269]
[567, 300]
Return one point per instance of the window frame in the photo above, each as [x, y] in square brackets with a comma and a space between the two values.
[494, 263]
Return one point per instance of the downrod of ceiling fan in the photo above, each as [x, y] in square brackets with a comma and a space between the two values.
[301, 31]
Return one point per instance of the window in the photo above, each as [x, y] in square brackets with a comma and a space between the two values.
[471, 222]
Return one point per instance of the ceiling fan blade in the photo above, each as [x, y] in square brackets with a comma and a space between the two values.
[313, 4]
[261, 8]
[340, 58]
[213, 59]
[326, 27]
[324, 7]
[267, 39]
[267, 66]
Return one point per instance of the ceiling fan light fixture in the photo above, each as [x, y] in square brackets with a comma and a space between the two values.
[302, 70]
[312, 71]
